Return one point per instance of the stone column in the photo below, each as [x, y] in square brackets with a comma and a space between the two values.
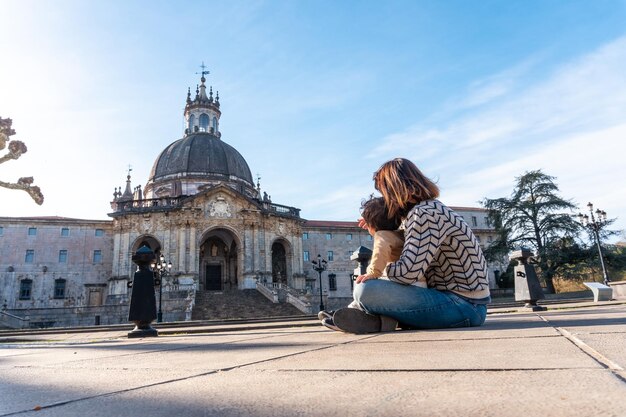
[296, 244]
[126, 253]
[193, 262]
[182, 244]
[117, 250]
[262, 250]
[254, 248]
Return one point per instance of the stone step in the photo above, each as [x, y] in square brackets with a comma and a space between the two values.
[231, 304]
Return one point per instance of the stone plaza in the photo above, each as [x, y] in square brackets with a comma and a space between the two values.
[566, 361]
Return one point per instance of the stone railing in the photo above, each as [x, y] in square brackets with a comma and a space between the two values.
[179, 287]
[267, 290]
[151, 204]
[156, 204]
[297, 302]
[280, 209]
[13, 321]
[278, 292]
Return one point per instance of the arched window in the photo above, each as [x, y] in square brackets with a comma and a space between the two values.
[214, 124]
[204, 122]
[192, 119]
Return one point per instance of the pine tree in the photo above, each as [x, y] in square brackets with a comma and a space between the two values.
[533, 216]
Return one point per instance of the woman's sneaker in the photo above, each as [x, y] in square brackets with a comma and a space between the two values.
[356, 321]
[325, 314]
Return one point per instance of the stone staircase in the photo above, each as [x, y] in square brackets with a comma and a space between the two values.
[234, 304]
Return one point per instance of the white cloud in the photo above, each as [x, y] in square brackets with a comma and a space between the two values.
[487, 90]
[569, 124]
[586, 93]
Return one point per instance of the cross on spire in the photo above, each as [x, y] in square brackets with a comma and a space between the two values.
[204, 70]
[130, 168]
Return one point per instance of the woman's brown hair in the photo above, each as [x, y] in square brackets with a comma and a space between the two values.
[403, 185]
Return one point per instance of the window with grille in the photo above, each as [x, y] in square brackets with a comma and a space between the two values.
[332, 282]
[26, 285]
[59, 288]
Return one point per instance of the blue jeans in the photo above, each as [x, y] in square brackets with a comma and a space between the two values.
[417, 307]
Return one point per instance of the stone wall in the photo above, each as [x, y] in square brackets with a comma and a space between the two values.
[46, 250]
[72, 316]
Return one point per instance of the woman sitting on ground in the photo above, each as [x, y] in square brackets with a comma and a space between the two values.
[439, 247]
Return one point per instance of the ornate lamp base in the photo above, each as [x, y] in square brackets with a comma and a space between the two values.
[143, 329]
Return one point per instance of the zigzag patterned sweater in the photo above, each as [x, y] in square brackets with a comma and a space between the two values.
[442, 248]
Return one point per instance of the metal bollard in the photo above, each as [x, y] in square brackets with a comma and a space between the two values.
[142, 310]
[362, 255]
[527, 287]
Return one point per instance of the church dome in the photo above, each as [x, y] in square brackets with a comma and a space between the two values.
[198, 160]
[201, 155]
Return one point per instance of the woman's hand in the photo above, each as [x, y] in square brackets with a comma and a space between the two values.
[363, 278]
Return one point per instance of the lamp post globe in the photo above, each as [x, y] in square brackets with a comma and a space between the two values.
[595, 224]
[161, 268]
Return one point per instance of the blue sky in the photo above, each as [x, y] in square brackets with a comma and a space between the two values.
[317, 94]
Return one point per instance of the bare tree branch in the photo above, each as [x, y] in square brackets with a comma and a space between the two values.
[16, 149]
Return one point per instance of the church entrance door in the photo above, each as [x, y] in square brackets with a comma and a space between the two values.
[279, 263]
[213, 277]
[218, 261]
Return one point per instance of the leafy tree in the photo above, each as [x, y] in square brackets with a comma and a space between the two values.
[534, 216]
[16, 149]
[616, 258]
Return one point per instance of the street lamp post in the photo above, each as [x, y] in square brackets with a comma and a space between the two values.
[162, 268]
[320, 266]
[595, 224]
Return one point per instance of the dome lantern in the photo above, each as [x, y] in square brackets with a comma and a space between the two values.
[200, 159]
[202, 114]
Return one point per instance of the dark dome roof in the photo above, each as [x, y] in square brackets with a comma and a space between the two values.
[200, 155]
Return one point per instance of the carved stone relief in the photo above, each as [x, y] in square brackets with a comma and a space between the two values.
[219, 208]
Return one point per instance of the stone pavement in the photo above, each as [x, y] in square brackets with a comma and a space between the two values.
[563, 362]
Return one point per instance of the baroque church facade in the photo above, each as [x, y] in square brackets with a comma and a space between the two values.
[201, 211]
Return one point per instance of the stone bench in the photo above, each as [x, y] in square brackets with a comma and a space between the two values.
[601, 292]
